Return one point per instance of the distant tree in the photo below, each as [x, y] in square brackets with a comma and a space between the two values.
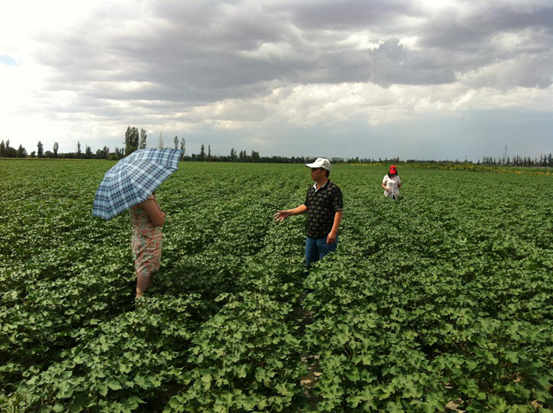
[21, 152]
[88, 152]
[176, 142]
[10, 152]
[40, 149]
[209, 152]
[202, 153]
[79, 153]
[182, 148]
[160, 145]
[102, 153]
[33, 154]
[232, 155]
[143, 137]
[48, 154]
[131, 140]
[116, 154]
[255, 156]
[56, 147]
[2, 148]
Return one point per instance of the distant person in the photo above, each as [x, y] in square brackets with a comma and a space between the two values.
[391, 183]
[147, 219]
[325, 207]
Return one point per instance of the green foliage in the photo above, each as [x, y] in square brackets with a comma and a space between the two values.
[132, 140]
[449, 299]
[444, 297]
[245, 358]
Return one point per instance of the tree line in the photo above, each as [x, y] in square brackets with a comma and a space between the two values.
[135, 139]
[543, 161]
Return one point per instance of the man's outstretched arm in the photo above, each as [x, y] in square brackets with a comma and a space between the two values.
[282, 215]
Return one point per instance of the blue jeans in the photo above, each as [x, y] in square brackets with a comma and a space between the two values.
[317, 248]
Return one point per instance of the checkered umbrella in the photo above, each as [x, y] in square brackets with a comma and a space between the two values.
[133, 179]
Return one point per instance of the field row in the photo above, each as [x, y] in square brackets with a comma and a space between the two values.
[443, 298]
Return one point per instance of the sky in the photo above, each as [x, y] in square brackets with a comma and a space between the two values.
[447, 79]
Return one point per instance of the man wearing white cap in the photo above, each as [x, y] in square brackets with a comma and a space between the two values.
[325, 207]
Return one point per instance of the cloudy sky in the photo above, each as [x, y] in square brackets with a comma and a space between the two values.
[425, 79]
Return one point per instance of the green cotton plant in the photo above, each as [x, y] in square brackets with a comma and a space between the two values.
[38, 323]
[246, 358]
[449, 290]
[441, 299]
[498, 359]
[125, 366]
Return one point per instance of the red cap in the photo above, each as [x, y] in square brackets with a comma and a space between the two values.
[393, 169]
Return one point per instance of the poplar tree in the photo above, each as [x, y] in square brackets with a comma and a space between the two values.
[143, 137]
[182, 148]
[131, 140]
[21, 152]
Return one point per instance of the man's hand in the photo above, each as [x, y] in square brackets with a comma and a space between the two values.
[281, 216]
[331, 238]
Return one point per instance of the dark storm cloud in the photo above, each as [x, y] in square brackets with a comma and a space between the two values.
[348, 14]
[194, 53]
[474, 29]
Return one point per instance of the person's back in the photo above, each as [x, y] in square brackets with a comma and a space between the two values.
[141, 223]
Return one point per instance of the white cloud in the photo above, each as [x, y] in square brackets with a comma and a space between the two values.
[89, 69]
[523, 71]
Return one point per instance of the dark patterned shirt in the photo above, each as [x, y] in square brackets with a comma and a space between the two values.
[322, 205]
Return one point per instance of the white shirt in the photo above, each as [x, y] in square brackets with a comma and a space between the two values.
[393, 184]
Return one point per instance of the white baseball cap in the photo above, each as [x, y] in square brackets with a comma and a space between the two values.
[320, 163]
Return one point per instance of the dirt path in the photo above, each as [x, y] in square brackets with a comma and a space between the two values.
[312, 362]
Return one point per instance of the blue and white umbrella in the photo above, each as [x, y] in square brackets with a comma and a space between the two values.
[133, 179]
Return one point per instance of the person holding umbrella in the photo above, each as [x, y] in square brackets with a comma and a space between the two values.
[391, 183]
[130, 185]
[147, 218]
